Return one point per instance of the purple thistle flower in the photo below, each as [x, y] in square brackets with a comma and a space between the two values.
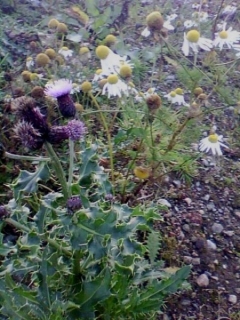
[26, 110]
[29, 137]
[60, 90]
[3, 212]
[76, 129]
[73, 204]
[57, 134]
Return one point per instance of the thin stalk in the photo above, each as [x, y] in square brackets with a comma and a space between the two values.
[104, 122]
[58, 169]
[71, 162]
[20, 157]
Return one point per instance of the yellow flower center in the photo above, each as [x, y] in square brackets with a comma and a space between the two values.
[102, 52]
[98, 71]
[83, 50]
[125, 71]
[86, 86]
[223, 34]
[172, 94]
[141, 172]
[64, 48]
[112, 79]
[179, 91]
[193, 36]
[213, 138]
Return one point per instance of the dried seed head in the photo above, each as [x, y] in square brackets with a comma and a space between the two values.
[153, 102]
[155, 21]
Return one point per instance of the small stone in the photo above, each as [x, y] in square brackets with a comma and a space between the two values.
[211, 206]
[237, 213]
[206, 197]
[177, 183]
[232, 298]
[186, 227]
[229, 233]
[164, 202]
[188, 201]
[196, 261]
[237, 290]
[211, 245]
[203, 280]
[187, 259]
[217, 228]
[186, 302]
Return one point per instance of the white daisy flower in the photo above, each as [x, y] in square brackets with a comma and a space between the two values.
[200, 16]
[115, 87]
[167, 25]
[193, 40]
[214, 143]
[29, 63]
[171, 17]
[141, 96]
[195, 6]
[189, 24]
[237, 48]
[226, 37]
[229, 10]
[110, 61]
[146, 32]
[176, 97]
[65, 52]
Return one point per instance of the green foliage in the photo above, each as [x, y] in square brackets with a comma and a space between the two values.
[86, 265]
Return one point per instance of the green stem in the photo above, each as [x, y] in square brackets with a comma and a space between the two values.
[51, 242]
[58, 169]
[104, 122]
[20, 157]
[71, 161]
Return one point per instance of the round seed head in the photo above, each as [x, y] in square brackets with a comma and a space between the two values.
[155, 21]
[42, 60]
[112, 79]
[102, 52]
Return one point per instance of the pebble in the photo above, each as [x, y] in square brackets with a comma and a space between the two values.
[206, 197]
[203, 280]
[187, 259]
[196, 261]
[211, 245]
[164, 202]
[237, 213]
[217, 227]
[211, 206]
[229, 233]
[186, 227]
[232, 298]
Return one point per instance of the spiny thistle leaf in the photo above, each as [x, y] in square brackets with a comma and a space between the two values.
[153, 245]
[27, 181]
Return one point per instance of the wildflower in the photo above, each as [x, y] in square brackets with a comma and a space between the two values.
[76, 88]
[76, 129]
[237, 48]
[193, 40]
[153, 102]
[154, 21]
[86, 86]
[229, 10]
[140, 96]
[200, 16]
[195, 6]
[62, 27]
[42, 60]
[110, 39]
[26, 75]
[4, 212]
[110, 61]
[84, 54]
[28, 135]
[98, 75]
[214, 143]
[60, 90]
[125, 71]
[189, 24]
[226, 37]
[29, 62]
[53, 23]
[57, 134]
[51, 53]
[73, 204]
[114, 86]
[65, 52]
[25, 108]
[169, 19]
[142, 172]
[176, 96]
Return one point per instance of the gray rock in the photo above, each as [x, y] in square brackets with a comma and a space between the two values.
[196, 261]
[217, 227]
[203, 280]
[232, 298]
[211, 245]
[187, 259]
[186, 227]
